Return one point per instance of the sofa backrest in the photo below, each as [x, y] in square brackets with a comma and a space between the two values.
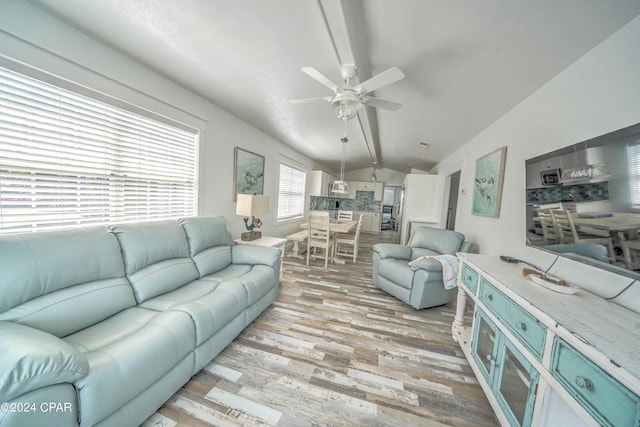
[156, 257]
[209, 242]
[436, 240]
[62, 281]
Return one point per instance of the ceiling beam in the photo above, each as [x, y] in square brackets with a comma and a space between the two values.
[346, 27]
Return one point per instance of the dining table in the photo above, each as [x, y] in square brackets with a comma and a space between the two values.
[611, 222]
[335, 226]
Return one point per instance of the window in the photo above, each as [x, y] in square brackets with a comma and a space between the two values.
[291, 192]
[633, 154]
[68, 160]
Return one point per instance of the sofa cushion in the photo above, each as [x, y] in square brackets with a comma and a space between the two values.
[90, 303]
[206, 232]
[209, 242]
[189, 292]
[396, 271]
[211, 312]
[156, 257]
[435, 239]
[258, 282]
[127, 354]
[212, 260]
[32, 359]
[230, 272]
[47, 275]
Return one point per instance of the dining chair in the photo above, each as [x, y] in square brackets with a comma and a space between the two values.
[628, 251]
[345, 215]
[549, 231]
[569, 233]
[349, 239]
[320, 236]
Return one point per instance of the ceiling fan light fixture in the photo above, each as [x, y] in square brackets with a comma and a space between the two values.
[346, 105]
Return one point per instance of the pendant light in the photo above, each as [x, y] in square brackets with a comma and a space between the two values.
[341, 186]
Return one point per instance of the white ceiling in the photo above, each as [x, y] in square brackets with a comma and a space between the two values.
[466, 62]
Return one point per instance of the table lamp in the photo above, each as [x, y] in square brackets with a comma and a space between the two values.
[250, 206]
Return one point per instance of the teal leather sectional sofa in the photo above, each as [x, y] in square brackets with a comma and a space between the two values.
[100, 326]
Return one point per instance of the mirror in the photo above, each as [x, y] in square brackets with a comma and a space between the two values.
[583, 201]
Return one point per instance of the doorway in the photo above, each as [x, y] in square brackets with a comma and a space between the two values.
[452, 205]
[390, 209]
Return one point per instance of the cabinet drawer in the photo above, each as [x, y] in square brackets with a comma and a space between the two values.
[470, 278]
[531, 333]
[608, 401]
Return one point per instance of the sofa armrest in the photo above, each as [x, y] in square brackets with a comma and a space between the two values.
[32, 359]
[252, 255]
[391, 250]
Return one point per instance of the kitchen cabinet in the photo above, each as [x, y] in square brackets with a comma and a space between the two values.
[376, 187]
[511, 378]
[370, 221]
[545, 358]
[365, 186]
[320, 183]
[581, 207]
[378, 191]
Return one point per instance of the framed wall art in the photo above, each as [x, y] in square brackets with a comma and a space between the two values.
[248, 172]
[488, 182]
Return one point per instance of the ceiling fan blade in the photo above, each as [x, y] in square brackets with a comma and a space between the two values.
[302, 100]
[385, 78]
[318, 76]
[381, 103]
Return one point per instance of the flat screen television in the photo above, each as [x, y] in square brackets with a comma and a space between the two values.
[599, 188]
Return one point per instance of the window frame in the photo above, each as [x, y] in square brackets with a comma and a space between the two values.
[633, 167]
[95, 184]
[287, 163]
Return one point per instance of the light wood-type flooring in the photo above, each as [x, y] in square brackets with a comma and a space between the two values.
[334, 350]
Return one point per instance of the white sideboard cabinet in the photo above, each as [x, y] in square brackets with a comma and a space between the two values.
[545, 358]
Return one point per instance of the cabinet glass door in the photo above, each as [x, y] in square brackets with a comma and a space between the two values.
[484, 344]
[516, 384]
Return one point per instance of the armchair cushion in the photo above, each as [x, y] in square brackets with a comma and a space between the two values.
[390, 250]
[437, 240]
[32, 359]
[421, 252]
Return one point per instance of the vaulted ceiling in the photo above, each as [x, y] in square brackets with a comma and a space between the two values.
[466, 63]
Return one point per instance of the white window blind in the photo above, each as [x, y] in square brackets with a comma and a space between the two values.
[68, 160]
[291, 192]
[633, 155]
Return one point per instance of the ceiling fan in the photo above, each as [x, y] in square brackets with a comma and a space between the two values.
[347, 99]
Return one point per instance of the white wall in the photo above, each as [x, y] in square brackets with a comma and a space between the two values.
[597, 94]
[33, 37]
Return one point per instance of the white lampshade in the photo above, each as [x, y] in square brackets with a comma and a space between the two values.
[252, 205]
[340, 187]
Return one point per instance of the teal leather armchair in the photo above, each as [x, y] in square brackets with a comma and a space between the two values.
[420, 287]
